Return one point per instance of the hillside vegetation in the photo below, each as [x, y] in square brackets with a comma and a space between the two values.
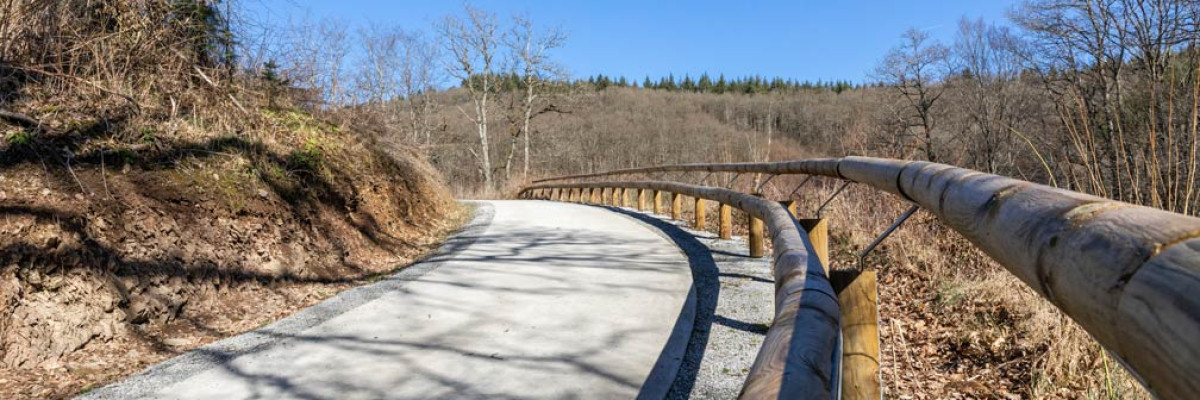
[1096, 97]
[157, 195]
[164, 162]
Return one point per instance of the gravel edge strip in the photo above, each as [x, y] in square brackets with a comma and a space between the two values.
[734, 308]
[212, 355]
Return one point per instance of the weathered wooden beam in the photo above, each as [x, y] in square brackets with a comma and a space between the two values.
[700, 209]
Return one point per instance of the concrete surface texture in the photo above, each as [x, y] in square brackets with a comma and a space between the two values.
[548, 300]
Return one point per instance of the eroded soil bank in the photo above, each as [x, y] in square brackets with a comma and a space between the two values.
[117, 258]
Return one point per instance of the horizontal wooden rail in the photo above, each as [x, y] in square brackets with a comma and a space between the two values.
[795, 361]
[1129, 275]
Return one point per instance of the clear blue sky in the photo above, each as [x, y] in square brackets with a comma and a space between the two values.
[802, 39]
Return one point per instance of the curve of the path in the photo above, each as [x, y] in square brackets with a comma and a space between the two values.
[547, 300]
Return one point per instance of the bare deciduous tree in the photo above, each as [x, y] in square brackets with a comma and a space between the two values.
[915, 69]
[530, 49]
[472, 47]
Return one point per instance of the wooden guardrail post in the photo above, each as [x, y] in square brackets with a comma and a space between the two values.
[860, 334]
[725, 220]
[676, 204]
[658, 202]
[818, 235]
[596, 195]
[641, 199]
[754, 238]
[860, 318]
[700, 210]
[790, 205]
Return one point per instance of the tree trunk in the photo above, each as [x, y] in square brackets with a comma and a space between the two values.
[525, 129]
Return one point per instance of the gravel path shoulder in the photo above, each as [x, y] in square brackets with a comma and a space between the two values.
[734, 308]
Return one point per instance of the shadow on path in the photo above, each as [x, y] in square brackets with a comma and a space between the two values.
[707, 286]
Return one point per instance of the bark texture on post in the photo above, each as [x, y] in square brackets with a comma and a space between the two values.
[726, 221]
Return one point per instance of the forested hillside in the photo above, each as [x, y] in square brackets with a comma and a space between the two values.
[1097, 97]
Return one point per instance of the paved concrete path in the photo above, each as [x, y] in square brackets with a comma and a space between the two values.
[548, 300]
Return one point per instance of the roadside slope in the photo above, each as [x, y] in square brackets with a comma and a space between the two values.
[117, 256]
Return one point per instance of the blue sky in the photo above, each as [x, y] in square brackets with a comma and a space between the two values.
[802, 39]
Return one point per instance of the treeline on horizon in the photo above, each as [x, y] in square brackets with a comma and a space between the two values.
[706, 84]
[756, 84]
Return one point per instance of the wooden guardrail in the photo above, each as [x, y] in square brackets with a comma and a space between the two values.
[1129, 275]
[790, 359]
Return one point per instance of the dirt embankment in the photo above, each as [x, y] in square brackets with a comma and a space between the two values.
[113, 257]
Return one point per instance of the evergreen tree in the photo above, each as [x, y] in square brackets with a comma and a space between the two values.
[687, 84]
[705, 84]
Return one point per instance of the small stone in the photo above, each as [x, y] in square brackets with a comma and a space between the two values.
[51, 365]
[176, 342]
[3, 195]
[45, 192]
[262, 193]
